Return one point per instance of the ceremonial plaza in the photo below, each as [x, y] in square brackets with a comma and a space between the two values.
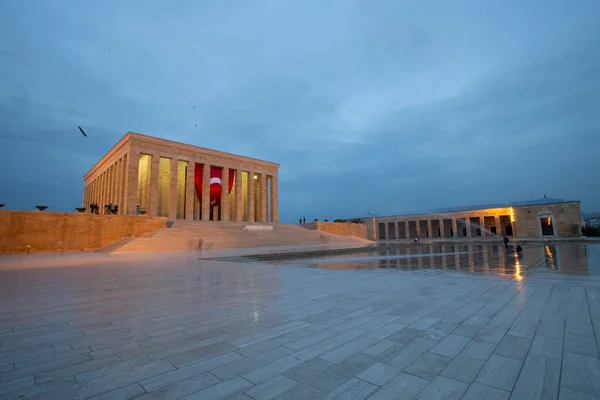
[176, 280]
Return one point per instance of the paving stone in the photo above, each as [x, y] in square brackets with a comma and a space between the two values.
[198, 355]
[271, 388]
[467, 330]
[354, 389]
[491, 334]
[409, 352]
[500, 372]
[551, 329]
[551, 379]
[272, 369]
[307, 370]
[123, 393]
[380, 348]
[581, 372]
[439, 331]
[451, 345]
[570, 394]
[425, 323]
[584, 345]
[443, 389]
[513, 346]
[251, 363]
[336, 375]
[223, 390]
[463, 369]
[182, 388]
[579, 328]
[189, 371]
[17, 384]
[343, 352]
[478, 350]
[301, 392]
[428, 366]
[405, 335]
[316, 350]
[477, 391]
[547, 347]
[530, 384]
[386, 330]
[379, 374]
[403, 386]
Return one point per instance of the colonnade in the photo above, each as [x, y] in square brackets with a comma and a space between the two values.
[167, 186]
[107, 187]
[444, 228]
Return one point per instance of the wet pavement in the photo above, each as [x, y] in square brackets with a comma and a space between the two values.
[490, 259]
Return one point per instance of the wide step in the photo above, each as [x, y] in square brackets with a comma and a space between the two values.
[185, 236]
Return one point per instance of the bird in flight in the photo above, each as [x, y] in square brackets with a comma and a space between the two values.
[82, 132]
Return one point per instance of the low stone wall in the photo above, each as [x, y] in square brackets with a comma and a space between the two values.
[53, 232]
[340, 228]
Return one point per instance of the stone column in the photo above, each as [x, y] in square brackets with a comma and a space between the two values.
[173, 199]
[454, 227]
[406, 230]
[468, 226]
[225, 194]
[131, 193]
[154, 185]
[482, 226]
[206, 192]
[418, 225]
[263, 197]
[498, 227]
[122, 199]
[429, 230]
[190, 190]
[118, 184]
[274, 199]
[386, 230]
[250, 196]
[396, 230]
[442, 231]
[239, 199]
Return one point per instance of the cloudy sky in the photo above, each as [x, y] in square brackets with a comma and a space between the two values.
[369, 106]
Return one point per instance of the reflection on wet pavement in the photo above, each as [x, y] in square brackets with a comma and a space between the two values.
[565, 258]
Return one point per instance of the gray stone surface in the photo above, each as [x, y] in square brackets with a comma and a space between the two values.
[169, 326]
[379, 374]
[442, 388]
[500, 372]
[428, 366]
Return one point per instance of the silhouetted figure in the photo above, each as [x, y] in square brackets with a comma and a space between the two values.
[505, 240]
[200, 244]
[115, 209]
[300, 221]
[519, 249]
[304, 220]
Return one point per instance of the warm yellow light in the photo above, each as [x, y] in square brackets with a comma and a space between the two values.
[512, 215]
[255, 177]
[518, 270]
[548, 252]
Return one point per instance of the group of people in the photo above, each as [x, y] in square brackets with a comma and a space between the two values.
[302, 220]
[108, 209]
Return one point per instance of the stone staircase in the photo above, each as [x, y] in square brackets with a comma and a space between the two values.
[185, 235]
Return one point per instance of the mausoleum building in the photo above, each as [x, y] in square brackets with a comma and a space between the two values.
[147, 175]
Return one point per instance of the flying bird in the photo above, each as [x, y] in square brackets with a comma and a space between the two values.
[82, 132]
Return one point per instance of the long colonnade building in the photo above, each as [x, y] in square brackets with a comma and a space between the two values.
[158, 177]
[523, 219]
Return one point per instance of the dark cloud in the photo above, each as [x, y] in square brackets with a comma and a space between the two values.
[368, 107]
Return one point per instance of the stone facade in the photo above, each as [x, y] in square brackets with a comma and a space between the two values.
[556, 219]
[340, 228]
[157, 177]
[23, 232]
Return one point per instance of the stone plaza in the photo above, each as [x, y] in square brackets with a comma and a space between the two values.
[177, 325]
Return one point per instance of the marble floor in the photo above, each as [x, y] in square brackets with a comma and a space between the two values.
[170, 326]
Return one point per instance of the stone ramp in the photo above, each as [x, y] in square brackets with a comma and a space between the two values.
[185, 235]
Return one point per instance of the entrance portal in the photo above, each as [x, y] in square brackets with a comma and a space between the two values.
[547, 227]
